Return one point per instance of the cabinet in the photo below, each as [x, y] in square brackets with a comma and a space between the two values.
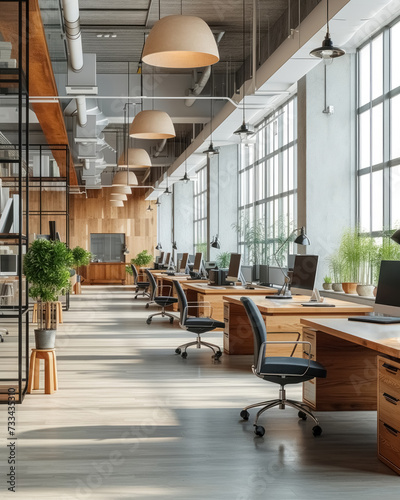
[389, 412]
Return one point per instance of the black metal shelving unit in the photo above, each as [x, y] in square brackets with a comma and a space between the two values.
[14, 161]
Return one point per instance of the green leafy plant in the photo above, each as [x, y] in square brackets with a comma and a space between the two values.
[253, 235]
[223, 259]
[142, 259]
[327, 279]
[386, 250]
[46, 267]
[335, 267]
[202, 247]
[81, 257]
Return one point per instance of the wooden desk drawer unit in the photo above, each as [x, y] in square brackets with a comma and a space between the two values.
[389, 413]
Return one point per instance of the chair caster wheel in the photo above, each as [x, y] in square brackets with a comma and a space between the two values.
[184, 355]
[135, 297]
[148, 321]
[177, 350]
[217, 355]
[259, 430]
[171, 320]
[245, 414]
[317, 431]
[147, 305]
[302, 415]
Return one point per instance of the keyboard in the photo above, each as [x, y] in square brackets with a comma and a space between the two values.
[384, 320]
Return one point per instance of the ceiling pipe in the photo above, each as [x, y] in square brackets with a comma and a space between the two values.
[73, 33]
[81, 110]
[202, 81]
[159, 148]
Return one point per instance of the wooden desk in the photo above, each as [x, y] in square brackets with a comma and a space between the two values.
[164, 285]
[204, 293]
[280, 316]
[363, 373]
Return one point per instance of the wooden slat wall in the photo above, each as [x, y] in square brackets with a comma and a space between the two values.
[94, 214]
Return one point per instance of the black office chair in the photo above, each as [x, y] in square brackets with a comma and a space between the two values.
[162, 301]
[280, 370]
[197, 325]
[141, 286]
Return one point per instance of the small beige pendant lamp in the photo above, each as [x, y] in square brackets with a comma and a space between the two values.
[137, 158]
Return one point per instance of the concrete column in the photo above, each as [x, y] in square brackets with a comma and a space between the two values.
[183, 231]
[223, 198]
[326, 158]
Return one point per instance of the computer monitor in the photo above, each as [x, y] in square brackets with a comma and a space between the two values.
[304, 271]
[247, 272]
[161, 258]
[264, 275]
[197, 262]
[234, 267]
[191, 258]
[388, 292]
[183, 263]
[275, 275]
[167, 260]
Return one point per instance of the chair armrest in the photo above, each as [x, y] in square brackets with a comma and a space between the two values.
[261, 356]
[285, 333]
[200, 304]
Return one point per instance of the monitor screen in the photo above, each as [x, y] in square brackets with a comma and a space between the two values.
[275, 275]
[247, 272]
[184, 261]
[197, 262]
[161, 258]
[8, 265]
[388, 292]
[234, 267]
[264, 275]
[305, 268]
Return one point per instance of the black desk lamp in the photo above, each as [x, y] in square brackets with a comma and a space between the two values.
[302, 239]
[396, 236]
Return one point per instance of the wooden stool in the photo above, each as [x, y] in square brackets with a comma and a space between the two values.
[50, 370]
[59, 313]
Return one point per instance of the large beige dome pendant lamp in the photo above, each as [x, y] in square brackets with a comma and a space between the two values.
[180, 42]
[137, 158]
[152, 124]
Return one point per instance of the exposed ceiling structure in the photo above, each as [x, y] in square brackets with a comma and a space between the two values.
[278, 37]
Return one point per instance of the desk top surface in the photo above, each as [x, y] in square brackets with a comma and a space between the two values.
[232, 290]
[293, 306]
[382, 338]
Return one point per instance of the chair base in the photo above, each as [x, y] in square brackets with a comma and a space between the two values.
[163, 314]
[303, 409]
[198, 343]
[142, 293]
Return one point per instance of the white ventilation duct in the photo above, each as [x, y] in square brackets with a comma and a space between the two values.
[202, 81]
[159, 148]
[81, 110]
[73, 33]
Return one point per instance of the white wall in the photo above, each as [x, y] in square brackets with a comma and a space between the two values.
[326, 158]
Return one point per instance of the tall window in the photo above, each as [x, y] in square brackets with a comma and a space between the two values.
[378, 114]
[268, 186]
[200, 211]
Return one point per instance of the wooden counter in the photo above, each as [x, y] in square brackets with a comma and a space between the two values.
[105, 273]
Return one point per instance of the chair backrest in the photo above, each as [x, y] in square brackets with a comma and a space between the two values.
[153, 284]
[135, 274]
[182, 301]
[257, 325]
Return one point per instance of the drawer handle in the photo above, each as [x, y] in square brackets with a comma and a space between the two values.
[390, 368]
[390, 399]
[391, 430]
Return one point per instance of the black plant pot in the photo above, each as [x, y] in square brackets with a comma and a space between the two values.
[45, 339]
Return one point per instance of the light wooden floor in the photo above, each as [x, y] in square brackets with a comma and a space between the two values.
[132, 420]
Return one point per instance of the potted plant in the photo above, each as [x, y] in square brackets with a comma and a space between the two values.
[368, 257]
[223, 259]
[46, 267]
[350, 255]
[327, 284]
[387, 250]
[81, 257]
[142, 259]
[335, 266]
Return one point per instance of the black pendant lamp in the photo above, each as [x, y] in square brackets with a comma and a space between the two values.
[327, 51]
